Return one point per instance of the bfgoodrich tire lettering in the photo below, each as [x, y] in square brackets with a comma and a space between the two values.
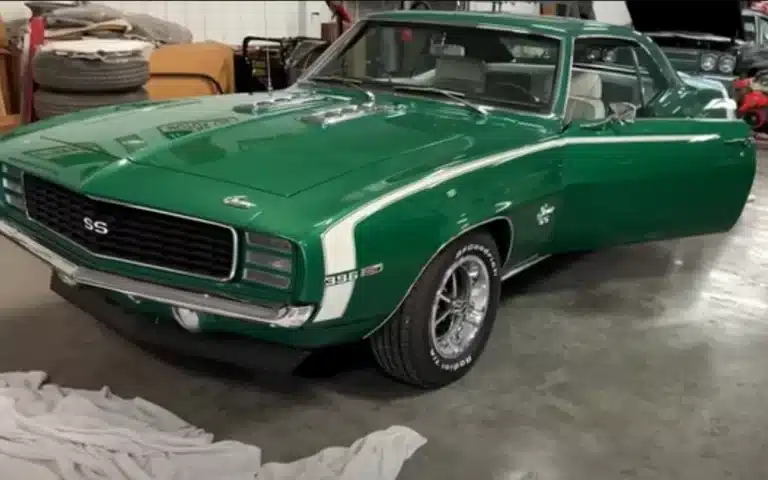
[411, 349]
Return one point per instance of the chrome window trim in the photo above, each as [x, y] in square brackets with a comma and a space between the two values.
[235, 236]
[567, 72]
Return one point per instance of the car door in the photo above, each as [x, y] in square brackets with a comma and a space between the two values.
[653, 178]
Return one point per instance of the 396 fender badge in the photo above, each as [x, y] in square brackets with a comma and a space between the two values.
[239, 201]
[352, 275]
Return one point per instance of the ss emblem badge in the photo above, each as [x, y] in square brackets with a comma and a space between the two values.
[95, 226]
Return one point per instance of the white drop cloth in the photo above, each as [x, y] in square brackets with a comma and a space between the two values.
[52, 433]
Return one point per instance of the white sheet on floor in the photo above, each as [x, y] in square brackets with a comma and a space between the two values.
[53, 433]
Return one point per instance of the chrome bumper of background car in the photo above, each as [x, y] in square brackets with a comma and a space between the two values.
[725, 80]
[72, 274]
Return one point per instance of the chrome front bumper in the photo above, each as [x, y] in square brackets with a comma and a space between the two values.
[72, 274]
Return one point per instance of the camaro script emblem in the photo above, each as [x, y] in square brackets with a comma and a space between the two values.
[545, 212]
[239, 201]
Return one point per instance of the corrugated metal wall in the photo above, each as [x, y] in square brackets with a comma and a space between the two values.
[225, 21]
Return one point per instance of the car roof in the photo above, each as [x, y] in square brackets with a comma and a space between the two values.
[538, 24]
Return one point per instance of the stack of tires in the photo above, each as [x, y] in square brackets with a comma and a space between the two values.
[81, 74]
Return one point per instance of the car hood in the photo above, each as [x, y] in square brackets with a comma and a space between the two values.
[721, 18]
[282, 149]
[189, 156]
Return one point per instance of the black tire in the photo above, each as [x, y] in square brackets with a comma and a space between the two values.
[404, 348]
[57, 73]
[49, 104]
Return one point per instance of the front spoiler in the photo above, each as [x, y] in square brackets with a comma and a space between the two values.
[286, 316]
[227, 348]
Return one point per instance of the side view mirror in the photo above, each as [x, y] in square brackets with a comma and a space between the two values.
[621, 113]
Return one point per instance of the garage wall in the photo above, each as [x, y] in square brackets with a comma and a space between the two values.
[614, 12]
[527, 8]
[13, 10]
[225, 21]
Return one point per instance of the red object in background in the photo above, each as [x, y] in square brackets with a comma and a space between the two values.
[406, 34]
[753, 102]
[34, 38]
[741, 83]
[760, 6]
[339, 11]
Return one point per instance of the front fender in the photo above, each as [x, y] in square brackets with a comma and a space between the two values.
[397, 241]
[400, 241]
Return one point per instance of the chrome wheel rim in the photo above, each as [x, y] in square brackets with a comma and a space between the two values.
[460, 306]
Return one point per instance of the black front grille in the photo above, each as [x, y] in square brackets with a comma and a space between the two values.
[132, 234]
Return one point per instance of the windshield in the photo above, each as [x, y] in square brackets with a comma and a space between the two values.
[484, 66]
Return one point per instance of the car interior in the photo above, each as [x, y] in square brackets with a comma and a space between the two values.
[592, 89]
[601, 74]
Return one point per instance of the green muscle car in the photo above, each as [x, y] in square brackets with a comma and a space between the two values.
[423, 159]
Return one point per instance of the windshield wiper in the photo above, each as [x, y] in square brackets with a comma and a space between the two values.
[453, 95]
[349, 82]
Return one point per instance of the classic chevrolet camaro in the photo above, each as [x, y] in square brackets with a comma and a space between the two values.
[423, 159]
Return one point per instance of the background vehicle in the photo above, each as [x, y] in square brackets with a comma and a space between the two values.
[717, 45]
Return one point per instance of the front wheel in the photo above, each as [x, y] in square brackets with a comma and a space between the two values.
[443, 325]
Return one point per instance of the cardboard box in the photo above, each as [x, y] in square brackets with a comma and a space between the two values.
[186, 70]
[9, 122]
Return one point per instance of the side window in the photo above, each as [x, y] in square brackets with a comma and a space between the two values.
[750, 28]
[612, 71]
[652, 80]
[763, 31]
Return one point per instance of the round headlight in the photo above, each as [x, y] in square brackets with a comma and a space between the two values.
[708, 62]
[726, 64]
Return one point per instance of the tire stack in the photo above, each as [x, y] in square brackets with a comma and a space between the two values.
[69, 82]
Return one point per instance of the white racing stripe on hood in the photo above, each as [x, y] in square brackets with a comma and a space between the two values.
[338, 241]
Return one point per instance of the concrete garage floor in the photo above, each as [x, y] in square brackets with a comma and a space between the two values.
[645, 362]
